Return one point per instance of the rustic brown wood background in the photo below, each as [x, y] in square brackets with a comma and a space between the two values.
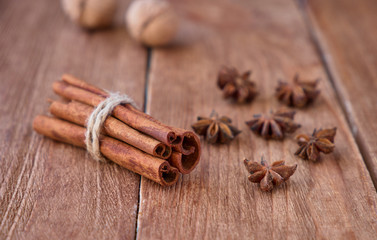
[50, 190]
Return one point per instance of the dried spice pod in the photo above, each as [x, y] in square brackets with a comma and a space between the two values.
[298, 93]
[238, 87]
[319, 141]
[216, 129]
[274, 125]
[267, 175]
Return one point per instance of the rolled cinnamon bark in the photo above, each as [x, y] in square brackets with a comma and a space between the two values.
[126, 113]
[181, 140]
[84, 85]
[79, 113]
[156, 169]
[184, 163]
[186, 155]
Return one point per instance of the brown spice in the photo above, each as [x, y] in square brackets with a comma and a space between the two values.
[298, 93]
[269, 176]
[319, 141]
[215, 129]
[78, 113]
[273, 125]
[236, 86]
[78, 90]
[156, 169]
[183, 141]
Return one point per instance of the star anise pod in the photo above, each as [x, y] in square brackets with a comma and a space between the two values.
[274, 125]
[215, 129]
[319, 141]
[236, 86]
[298, 93]
[269, 176]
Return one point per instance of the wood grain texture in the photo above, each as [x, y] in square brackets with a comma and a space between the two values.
[51, 190]
[347, 36]
[331, 199]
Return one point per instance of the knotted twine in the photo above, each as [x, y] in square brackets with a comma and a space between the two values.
[96, 120]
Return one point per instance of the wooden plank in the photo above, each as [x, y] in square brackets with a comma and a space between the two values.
[51, 190]
[346, 33]
[331, 199]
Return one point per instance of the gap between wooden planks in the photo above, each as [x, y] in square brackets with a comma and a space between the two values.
[332, 199]
[51, 190]
[346, 35]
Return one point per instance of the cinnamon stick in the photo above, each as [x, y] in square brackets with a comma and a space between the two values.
[182, 162]
[186, 162]
[183, 141]
[156, 169]
[79, 113]
[126, 113]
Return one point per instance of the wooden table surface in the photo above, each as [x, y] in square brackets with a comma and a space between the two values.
[50, 190]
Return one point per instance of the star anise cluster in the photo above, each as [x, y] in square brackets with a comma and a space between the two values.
[319, 141]
[298, 93]
[216, 129]
[236, 86]
[269, 176]
[274, 125]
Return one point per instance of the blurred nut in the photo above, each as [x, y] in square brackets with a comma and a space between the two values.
[152, 22]
[90, 14]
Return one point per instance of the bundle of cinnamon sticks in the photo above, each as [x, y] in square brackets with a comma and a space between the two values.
[130, 138]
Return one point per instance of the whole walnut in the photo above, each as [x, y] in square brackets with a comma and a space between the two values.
[90, 14]
[152, 22]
